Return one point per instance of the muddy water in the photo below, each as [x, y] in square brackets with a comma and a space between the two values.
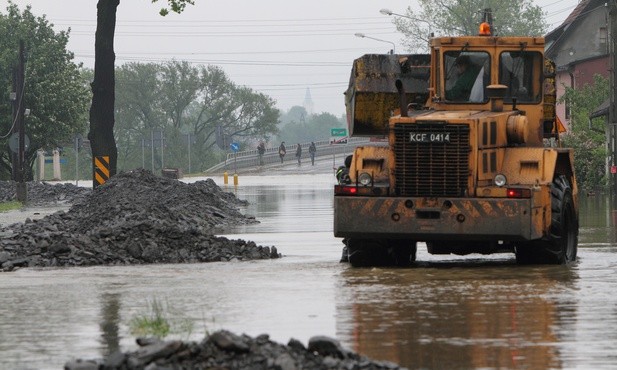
[444, 313]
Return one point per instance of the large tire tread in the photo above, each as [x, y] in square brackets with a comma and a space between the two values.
[380, 253]
[560, 245]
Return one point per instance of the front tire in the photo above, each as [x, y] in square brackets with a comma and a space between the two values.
[560, 245]
[381, 252]
[360, 252]
[402, 252]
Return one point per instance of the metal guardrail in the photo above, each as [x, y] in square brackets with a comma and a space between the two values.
[250, 158]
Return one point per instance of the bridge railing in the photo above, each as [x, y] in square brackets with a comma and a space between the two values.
[250, 158]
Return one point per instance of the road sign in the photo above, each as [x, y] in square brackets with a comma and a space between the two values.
[234, 147]
[14, 142]
[51, 160]
[338, 140]
[338, 132]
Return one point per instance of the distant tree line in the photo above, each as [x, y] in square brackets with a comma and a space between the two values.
[297, 126]
[183, 104]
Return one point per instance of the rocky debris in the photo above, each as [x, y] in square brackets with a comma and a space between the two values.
[134, 218]
[226, 350]
[45, 194]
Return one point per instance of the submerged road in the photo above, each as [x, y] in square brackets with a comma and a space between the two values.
[445, 312]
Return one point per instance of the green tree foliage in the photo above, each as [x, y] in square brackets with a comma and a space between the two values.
[138, 112]
[462, 17]
[187, 104]
[55, 93]
[176, 6]
[295, 114]
[180, 84]
[587, 138]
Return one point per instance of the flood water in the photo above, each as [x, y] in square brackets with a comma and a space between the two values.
[446, 312]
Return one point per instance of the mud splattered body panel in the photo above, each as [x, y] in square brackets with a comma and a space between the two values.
[437, 218]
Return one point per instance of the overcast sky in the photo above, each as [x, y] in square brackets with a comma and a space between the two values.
[278, 47]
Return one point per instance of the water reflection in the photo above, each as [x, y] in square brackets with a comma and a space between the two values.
[110, 322]
[287, 204]
[598, 218]
[471, 315]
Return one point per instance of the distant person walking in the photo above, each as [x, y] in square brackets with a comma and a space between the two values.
[282, 151]
[312, 151]
[299, 154]
[261, 150]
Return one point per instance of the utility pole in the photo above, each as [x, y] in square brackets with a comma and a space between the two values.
[14, 126]
[612, 109]
[19, 109]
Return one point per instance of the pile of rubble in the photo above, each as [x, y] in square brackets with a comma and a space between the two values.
[45, 194]
[139, 218]
[135, 218]
[226, 350]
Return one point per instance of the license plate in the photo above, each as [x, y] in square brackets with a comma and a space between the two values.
[429, 137]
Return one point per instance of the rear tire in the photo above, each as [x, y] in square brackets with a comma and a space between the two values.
[560, 245]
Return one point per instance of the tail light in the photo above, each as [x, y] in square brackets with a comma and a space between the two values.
[345, 190]
[518, 193]
[369, 191]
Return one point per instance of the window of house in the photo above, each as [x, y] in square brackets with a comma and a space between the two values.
[603, 35]
[567, 108]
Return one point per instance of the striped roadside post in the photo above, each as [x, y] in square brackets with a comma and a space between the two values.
[101, 170]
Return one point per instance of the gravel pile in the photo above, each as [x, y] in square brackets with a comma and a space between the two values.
[45, 194]
[135, 218]
[226, 350]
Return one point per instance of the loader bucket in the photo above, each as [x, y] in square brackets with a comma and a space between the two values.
[372, 97]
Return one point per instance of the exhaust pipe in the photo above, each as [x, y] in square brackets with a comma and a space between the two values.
[402, 98]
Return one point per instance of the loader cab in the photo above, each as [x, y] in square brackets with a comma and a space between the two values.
[466, 70]
[462, 77]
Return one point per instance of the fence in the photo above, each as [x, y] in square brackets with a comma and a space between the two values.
[250, 158]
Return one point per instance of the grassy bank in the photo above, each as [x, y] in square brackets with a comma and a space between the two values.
[9, 206]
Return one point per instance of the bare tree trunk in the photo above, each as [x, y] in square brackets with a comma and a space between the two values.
[102, 120]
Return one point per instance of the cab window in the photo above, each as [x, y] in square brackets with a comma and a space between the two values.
[521, 71]
[466, 76]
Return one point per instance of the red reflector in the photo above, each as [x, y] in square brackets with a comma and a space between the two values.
[346, 190]
[518, 193]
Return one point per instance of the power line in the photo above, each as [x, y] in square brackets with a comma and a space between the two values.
[201, 25]
[299, 87]
[240, 52]
[584, 13]
[234, 62]
[252, 34]
[561, 11]
[229, 21]
[547, 5]
[323, 84]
